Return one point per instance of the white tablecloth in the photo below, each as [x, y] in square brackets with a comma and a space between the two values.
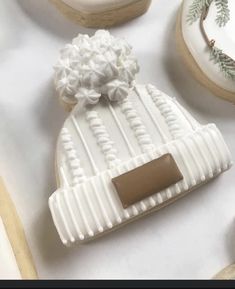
[193, 238]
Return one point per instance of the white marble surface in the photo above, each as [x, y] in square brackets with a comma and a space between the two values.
[193, 238]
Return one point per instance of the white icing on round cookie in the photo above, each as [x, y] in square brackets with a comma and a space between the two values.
[8, 265]
[107, 137]
[95, 6]
[224, 36]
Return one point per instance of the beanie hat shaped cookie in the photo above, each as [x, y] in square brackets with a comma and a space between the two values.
[126, 149]
[206, 40]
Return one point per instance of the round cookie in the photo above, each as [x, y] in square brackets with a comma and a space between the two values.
[126, 149]
[205, 39]
[102, 13]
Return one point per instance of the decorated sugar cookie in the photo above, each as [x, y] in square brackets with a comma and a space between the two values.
[126, 149]
[102, 13]
[206, 40]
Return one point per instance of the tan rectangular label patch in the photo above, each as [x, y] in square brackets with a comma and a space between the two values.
[146, 180]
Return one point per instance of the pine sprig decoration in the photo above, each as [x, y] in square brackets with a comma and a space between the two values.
[223, 13]
[226, 63]
[195, 11]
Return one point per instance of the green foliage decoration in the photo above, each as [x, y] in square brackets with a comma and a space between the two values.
[225, 63]
[223, 13]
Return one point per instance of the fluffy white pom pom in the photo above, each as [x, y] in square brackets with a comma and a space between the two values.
[92, 66]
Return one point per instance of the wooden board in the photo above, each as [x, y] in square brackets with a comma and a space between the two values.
[16, 235]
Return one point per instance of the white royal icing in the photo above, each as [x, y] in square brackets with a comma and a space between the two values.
[93, 66]
[224, 36]
[108, 138]
[8, 265]
[95, 6]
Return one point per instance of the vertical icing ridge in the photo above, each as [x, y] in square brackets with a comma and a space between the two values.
[166, 111]
[85, 145]
[103, 138]
[136, 124]
[74, 163]
[124, 135]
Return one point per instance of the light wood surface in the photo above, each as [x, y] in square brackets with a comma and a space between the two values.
[227, 273]
[16, 235]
